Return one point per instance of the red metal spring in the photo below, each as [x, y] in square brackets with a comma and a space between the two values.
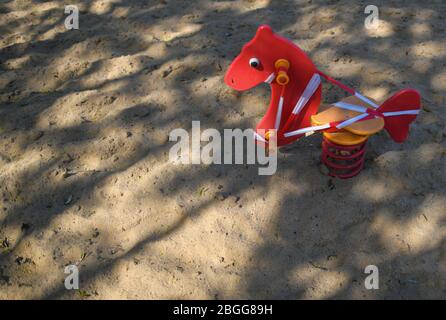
[343, 161]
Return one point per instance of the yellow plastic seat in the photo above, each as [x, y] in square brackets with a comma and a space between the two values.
[355, 133]
[331, 114]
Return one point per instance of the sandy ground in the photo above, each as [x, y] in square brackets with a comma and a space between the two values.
[85, 179]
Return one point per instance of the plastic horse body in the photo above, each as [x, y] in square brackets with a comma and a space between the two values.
[296, 92]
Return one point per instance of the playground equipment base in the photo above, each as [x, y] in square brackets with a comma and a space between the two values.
[343, 161]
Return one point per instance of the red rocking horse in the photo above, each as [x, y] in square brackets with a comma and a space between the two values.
[296, 97]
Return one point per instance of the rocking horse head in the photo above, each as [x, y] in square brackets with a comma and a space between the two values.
[255, 63]
[273, 59]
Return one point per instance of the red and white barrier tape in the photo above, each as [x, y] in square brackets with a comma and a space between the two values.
[341, 124]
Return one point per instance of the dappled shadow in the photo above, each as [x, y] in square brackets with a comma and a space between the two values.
[84, 122]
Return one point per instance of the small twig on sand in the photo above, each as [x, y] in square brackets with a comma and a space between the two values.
[69, 172]
[318, 267]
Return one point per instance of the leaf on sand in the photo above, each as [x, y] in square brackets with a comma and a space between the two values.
[202, 191]
[83, 294]
[84, 255]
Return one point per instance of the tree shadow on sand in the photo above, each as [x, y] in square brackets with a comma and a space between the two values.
[317, 238]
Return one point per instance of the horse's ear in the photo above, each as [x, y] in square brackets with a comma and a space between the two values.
[264, 30]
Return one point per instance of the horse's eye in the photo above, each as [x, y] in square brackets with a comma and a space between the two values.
[254, 62]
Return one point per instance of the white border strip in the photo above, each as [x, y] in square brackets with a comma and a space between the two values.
[311, 87]
[259, 137]
[366, 100]
[349, 106]
[400, 113]
[307, 129]
[279, 113]
[351, 120]
[270, 78]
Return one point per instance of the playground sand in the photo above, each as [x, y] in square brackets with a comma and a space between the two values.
[85, 178]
